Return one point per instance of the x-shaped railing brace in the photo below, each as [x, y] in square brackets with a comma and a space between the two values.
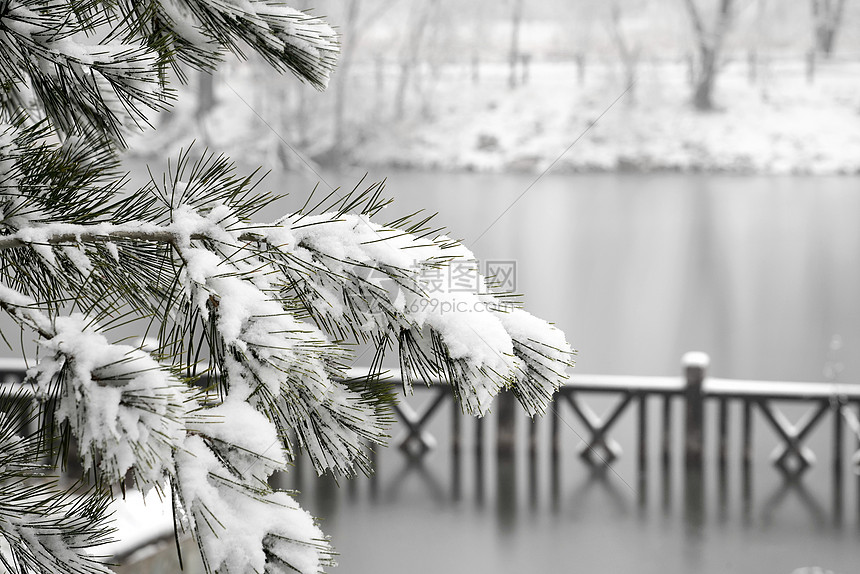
[598, 427]
[792, 436]
[414, 421]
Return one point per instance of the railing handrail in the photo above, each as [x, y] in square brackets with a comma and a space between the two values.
[741, 388]
[588, 382]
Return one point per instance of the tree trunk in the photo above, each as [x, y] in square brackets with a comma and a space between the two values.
[514, 56]
[629, 54]
[347, 41]
[810, 67]
[580, 68]
[704, 88]
[410, 60]
[205, 103]
[827, 19]
[400, 95]
[826, 37]
[709, 47]
[752, 67]
[525, 60]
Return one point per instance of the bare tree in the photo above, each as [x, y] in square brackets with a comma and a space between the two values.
[347, 49]
[351, 36]
[514, 56]
[628, 51]
[205, 102]
[410, 56]
[581, 18]
[709, 47]
[826, 19]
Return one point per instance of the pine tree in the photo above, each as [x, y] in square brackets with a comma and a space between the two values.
[253, 322]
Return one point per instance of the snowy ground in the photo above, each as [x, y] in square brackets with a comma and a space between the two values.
[779, 123]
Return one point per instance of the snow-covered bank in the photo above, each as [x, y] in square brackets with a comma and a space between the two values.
[787, 126]
[779, 123]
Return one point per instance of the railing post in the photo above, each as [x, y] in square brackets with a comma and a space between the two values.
[666, 454]
[694, 364]
[643, 449]
[456, 445]
[479, 460]
[505, 435]
[555, 448]
[746, 460]
[837, 460]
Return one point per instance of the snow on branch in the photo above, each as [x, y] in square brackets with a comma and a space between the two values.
[347, 269]
[195, 30]
[25, 311]
[126, 411]
[285, 367]
[79, 84]
[98, 69]
[41, 524]
[241, 527]
[544, 355]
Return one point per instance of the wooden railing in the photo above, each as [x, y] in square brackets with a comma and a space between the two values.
[696, 394]
[692, 389]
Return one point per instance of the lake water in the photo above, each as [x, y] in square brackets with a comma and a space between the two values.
[759, 272]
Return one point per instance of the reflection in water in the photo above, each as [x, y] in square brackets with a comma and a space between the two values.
[506, 493]
[414, 464]
[506, 447]
[723, 490]
[479, 461]
[456, 449]
[792, 484]
[694, 498]
[534, 485]
[599, 476]
[326, 495]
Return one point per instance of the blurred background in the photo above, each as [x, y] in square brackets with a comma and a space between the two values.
[660, 175]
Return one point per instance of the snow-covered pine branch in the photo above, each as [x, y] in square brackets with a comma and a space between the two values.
[99, 66]
[221, 481]
[258, 313]
[195, 31]
[79, 84]
[43, 526]
[348, 271]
